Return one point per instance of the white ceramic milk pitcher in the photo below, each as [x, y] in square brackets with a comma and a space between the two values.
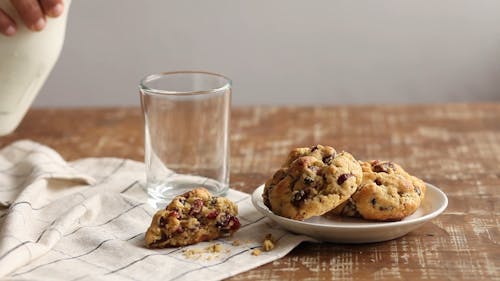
[26, 60]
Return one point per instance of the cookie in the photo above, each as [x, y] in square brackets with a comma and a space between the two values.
[387, 193]
[190, 218]
[311, 182]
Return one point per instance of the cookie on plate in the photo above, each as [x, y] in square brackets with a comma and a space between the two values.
[387, 193]
[192, 217]
[311, 182]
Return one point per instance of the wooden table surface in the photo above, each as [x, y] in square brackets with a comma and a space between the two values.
[454, 146]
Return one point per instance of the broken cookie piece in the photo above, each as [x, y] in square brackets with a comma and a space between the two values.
[192, 217]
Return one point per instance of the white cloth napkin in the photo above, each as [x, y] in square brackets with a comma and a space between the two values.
[85, 220]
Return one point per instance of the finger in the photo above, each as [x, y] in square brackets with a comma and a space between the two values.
[7, 25]
[52, 8]
[31, 13]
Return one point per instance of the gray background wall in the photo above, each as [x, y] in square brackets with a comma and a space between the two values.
[283, 51]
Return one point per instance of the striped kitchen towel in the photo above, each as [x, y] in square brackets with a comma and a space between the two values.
[85, 220]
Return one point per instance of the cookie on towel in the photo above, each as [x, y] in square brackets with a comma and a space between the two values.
[192, 217]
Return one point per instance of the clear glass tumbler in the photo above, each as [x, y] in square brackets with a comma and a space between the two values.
[186, 117]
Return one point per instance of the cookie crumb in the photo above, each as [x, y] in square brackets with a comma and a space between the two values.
[268, 243]
[215, 248]
[236, 243]
[256, 252]
[192, 253]
[211, 252]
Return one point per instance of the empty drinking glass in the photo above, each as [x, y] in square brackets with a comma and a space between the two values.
[186, 117]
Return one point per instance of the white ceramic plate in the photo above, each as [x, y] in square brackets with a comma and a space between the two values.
[353, 230]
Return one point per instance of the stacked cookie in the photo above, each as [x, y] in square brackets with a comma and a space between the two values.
[318, 180]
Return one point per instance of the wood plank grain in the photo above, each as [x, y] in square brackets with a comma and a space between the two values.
[454, 146]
